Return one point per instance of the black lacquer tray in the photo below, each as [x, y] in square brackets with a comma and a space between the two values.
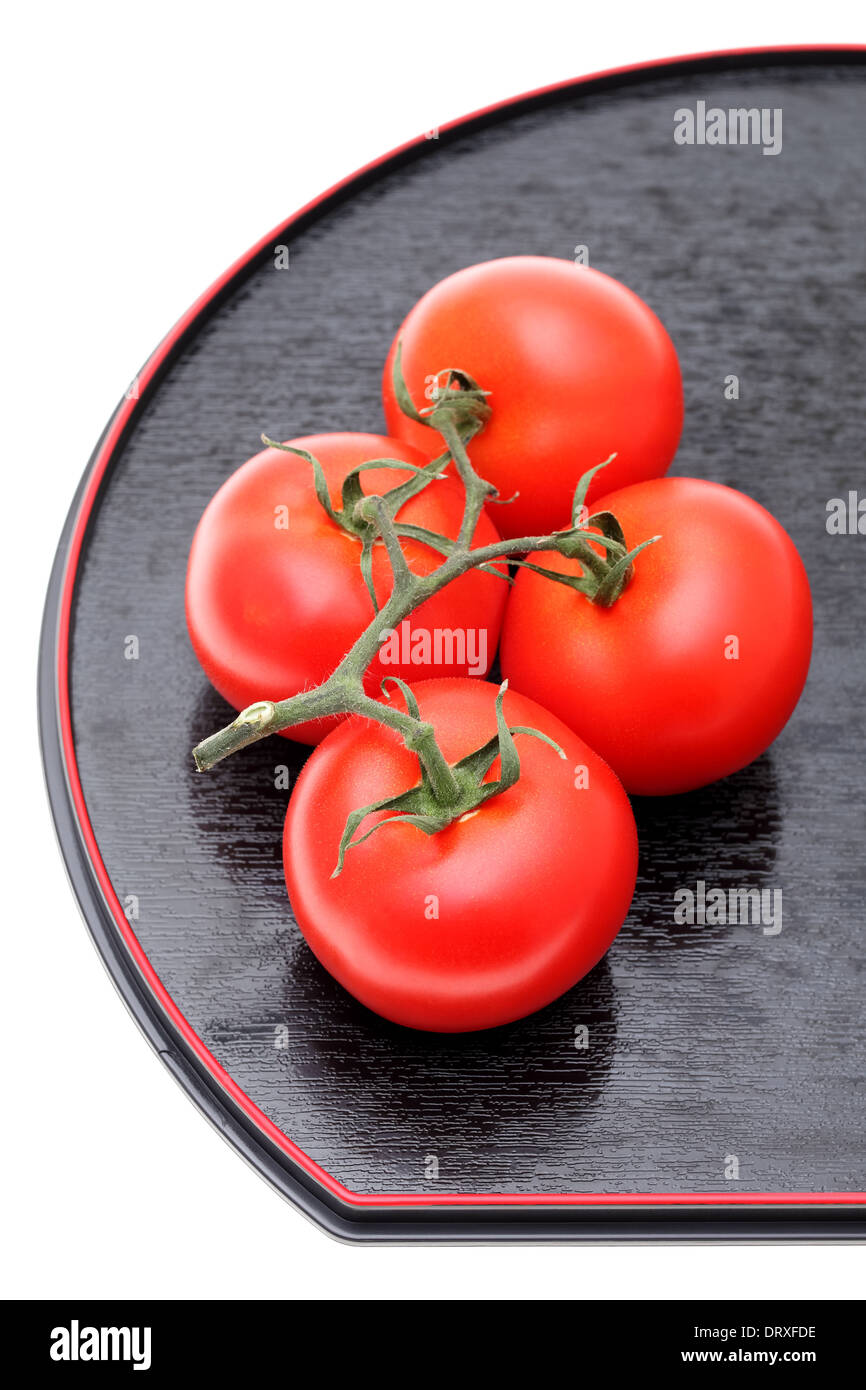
[720, 1092]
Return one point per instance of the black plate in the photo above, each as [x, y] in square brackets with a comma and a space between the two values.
[705, 1045]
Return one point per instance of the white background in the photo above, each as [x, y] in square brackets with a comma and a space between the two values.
[146, 147]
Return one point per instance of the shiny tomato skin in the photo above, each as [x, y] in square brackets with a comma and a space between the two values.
[651, 682]
[577, 365]
[491, 918]
[271, 611]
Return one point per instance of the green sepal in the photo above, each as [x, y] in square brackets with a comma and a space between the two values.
[572, 543]
[401, 390]
[443, 544]
[352, 493]
[406, 691]
[578, 582]
[320, 484]
[419, 807]
[413, 806]
[618, 576]
[401, 494]
[583, 488]
[607, 524]
[366, 563]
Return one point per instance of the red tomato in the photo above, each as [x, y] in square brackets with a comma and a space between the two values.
[577, 366]
[273, 608]
[698, 665]
[487, 920]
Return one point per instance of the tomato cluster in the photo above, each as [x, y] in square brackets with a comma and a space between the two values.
[683, 674]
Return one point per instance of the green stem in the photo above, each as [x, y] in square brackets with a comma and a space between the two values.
[477, 489]
[270, 717]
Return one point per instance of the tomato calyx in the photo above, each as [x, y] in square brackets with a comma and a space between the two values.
[458, 412]
[420, 806]
[460, 400]
[604, 576]
[352, 517]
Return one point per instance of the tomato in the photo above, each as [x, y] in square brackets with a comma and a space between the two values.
[275, 596]
[698, 665]
[577, 366]
[487, 920]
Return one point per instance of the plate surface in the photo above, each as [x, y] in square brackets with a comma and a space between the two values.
[709, 1050]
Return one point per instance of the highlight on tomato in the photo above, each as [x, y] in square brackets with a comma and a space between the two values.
[577, 368]
[280, 582]
[698, 665]
[483, 921]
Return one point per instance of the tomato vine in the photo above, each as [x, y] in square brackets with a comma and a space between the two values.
[459, 410]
